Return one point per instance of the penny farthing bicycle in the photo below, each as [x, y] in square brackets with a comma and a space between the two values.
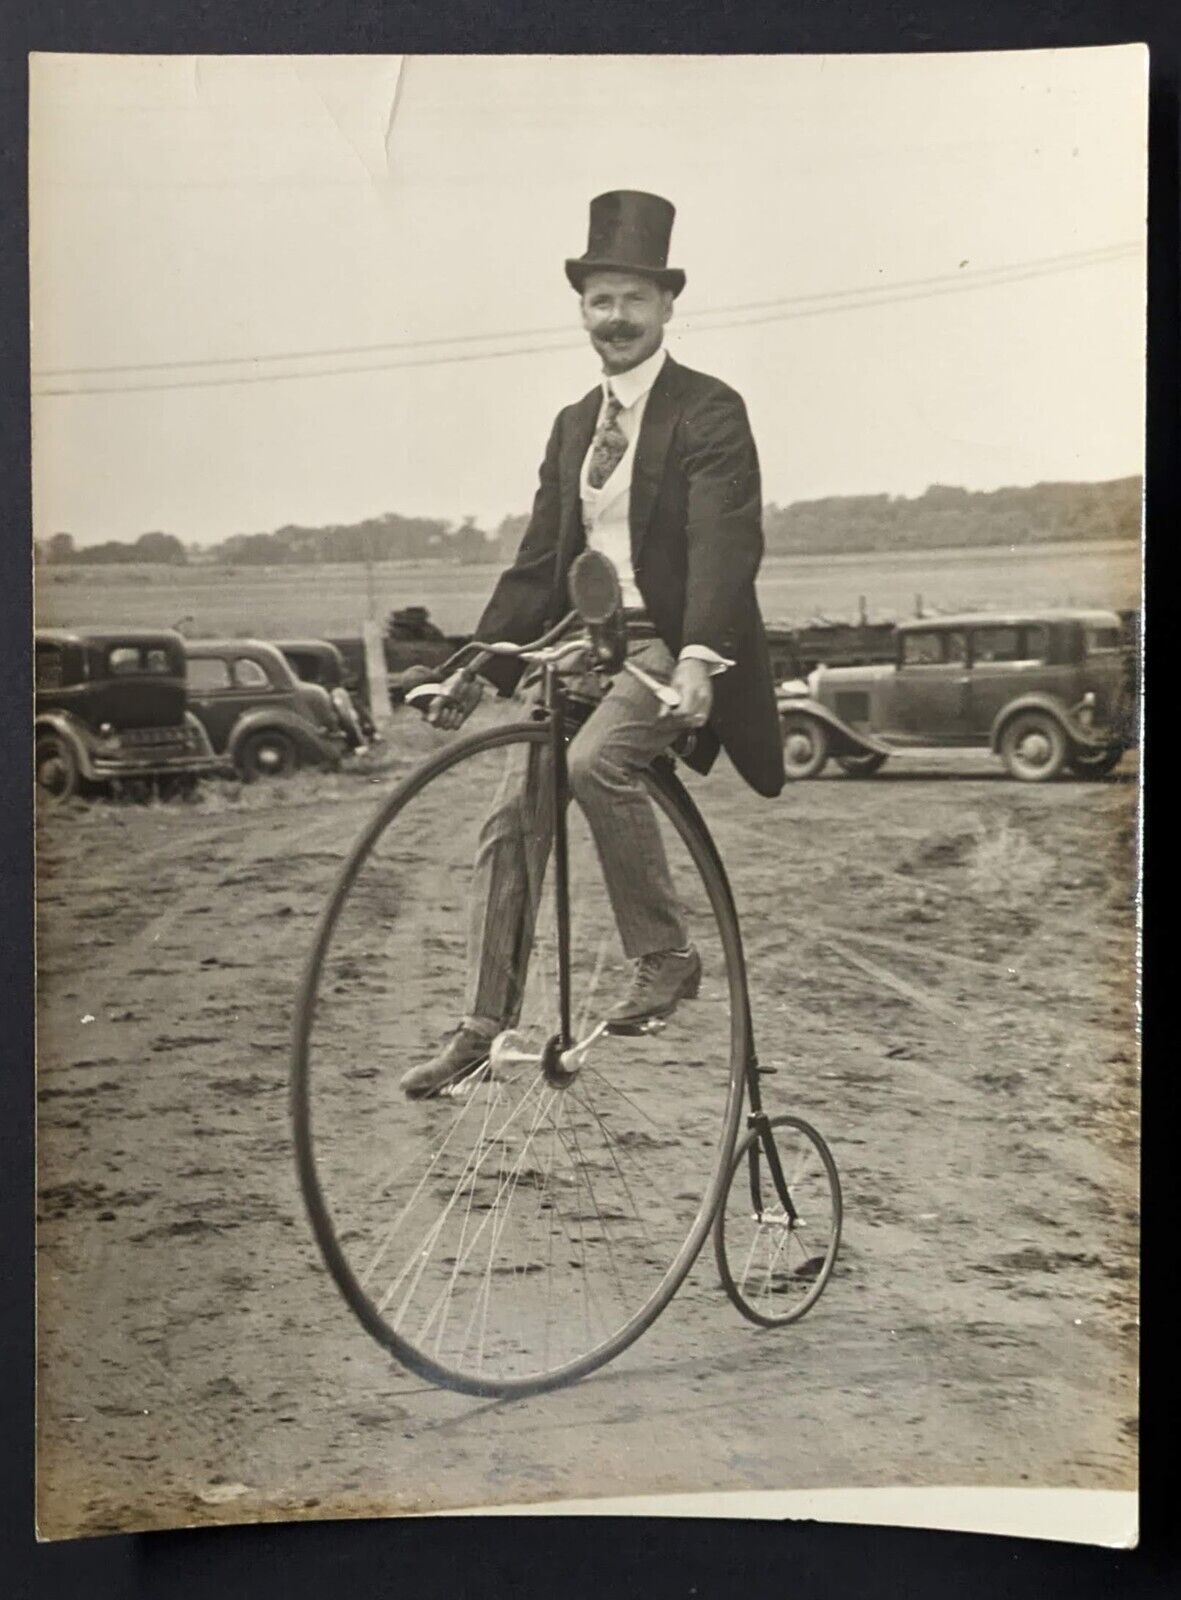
[521, 1229]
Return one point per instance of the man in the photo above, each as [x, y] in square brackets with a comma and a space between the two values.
[656, 468]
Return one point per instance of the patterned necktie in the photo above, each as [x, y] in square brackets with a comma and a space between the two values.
[610, 445]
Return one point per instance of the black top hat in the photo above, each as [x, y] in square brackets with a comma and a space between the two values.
[629, 232]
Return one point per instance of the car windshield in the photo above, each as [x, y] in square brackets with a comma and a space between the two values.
[123, 660]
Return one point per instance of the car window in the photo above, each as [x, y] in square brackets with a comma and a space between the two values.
[207, 673]
[249, 675]
[123, 659]
[957, 647]
[997, 644]
[922, 649]
[1102, 639]
[49, 671]
[1037, 642]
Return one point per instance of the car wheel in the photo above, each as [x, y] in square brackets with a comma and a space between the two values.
[57, 772]
[862, 766]
[1095, 763]
[270, 754]
[805, 746]
[1033, 746]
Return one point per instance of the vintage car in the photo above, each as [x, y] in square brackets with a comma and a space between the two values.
[319, 661]
[261, 720]
[1043, 689]
[111, 707]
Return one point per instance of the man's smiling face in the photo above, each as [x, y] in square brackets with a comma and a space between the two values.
[625, 315]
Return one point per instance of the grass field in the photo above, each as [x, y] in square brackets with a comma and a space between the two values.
[333, 600]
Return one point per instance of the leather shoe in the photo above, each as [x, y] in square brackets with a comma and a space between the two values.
[659, 982]
[465, 1051]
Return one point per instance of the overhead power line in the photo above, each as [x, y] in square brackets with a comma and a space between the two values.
[1071, 258]
[736, 316]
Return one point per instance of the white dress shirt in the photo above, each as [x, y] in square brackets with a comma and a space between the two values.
[606, 511]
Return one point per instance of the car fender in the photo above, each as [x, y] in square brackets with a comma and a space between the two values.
[307, 739]
[847, 740]
[1073, 730]
[72, 732]
[199, 735]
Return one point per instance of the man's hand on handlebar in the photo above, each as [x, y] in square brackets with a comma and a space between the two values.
[462, 693]
[453, 700]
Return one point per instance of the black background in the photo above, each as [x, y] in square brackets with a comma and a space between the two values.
[458, 1557]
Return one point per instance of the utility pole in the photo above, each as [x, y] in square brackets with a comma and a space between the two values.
[375, 667]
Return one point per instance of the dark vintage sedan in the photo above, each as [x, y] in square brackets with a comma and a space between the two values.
[261, 720]
[110, 707]
[321, 662]
[1043, 689]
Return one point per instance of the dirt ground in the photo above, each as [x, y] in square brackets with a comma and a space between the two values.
[942, 968]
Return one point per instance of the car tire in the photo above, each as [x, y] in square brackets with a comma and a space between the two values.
[805, 746]
[1033, 746]
[270, 753]
[58, 775]
[1095, 764]
[862, 766]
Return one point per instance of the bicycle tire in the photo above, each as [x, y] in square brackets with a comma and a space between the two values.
[685, 821]
[777, 1278]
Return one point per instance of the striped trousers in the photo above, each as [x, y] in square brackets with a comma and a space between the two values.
[621, 737]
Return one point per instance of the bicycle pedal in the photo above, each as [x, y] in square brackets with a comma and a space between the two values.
[462, 1087]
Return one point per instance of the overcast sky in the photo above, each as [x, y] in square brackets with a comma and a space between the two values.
[187, 211]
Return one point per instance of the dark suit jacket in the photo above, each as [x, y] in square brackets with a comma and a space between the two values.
[697, 540]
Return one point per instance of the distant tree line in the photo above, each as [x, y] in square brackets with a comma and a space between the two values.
[162, 548]
[942, 517]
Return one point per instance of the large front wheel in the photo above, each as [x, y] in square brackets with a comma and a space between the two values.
[523, 1229]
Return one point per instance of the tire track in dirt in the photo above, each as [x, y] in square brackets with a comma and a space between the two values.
[221, 830]
[915, 993]
[910, 947]
[134, 951]
[1078, 1150]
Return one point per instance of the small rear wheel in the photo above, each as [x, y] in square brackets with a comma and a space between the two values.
[774, 1263]
[805, 746]
[861, 766]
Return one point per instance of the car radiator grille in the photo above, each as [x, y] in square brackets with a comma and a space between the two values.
[154, 739]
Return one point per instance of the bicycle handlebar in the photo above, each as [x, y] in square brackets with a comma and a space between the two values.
[505, 647]
[668, 696]
[480, 653]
